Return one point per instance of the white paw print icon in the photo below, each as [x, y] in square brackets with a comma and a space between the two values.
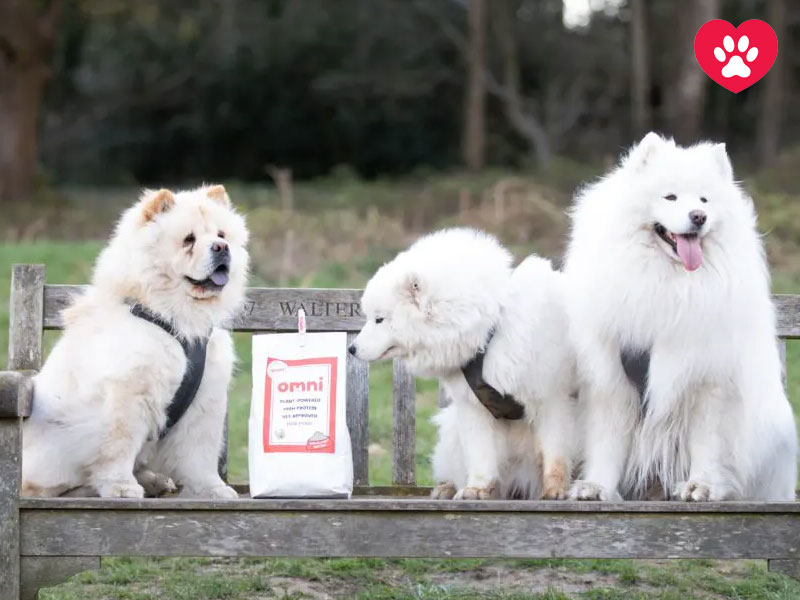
[736, 66]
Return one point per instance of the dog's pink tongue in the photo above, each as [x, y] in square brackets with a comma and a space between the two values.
[221, 277]
[689, 251]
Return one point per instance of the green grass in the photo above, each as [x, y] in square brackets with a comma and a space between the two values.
[150, 579]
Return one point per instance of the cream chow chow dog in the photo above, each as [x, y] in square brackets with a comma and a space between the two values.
[132, 398]
[671, 316]
[451, 307]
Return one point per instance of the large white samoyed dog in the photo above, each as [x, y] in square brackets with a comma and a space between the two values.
[670, 313]
[439, 306]
[137, 386]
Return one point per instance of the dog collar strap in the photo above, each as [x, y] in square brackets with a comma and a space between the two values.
[502, 406]
[195, 353]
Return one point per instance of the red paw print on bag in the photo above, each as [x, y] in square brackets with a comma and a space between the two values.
[736, 58]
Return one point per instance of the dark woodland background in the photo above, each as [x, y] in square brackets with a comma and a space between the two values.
[114, 92]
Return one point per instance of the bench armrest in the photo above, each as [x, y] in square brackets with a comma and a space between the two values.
[16, 393]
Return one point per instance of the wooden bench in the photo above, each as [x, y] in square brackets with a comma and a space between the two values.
[44, 541]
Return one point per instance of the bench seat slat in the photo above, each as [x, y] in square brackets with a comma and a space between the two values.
[409, 505]
[410, 528]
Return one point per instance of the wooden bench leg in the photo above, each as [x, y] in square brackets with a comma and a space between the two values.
[44, 571]
[10, 475]
[786, 566]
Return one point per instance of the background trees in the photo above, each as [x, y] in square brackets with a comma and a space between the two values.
[146, 92]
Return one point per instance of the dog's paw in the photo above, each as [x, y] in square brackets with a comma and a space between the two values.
[555, 481]
[476, 493]
[586, 490]
[555, 490]
[222, 492]
[444, 491]
[700, 491]
[121, 489]
[156, 484]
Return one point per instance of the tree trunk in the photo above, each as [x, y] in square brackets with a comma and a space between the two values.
[769, 121]
[25, 42]
[524, 123]
[474, 138]
[690, 84]
[641, 117]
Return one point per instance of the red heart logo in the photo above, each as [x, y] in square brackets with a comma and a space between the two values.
[736, 57]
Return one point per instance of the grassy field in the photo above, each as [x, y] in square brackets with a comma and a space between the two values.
[150, 579]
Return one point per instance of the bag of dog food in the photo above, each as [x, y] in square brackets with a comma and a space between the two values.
[299, 444]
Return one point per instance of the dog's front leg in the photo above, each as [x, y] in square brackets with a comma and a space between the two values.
[191, 450]
[126, 430]
[709, 478]
[555, 428]
[609, 419]
[480, 446]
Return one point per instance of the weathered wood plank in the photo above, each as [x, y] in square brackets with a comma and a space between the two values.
[16, 393]
[27, 310]
[411, 505]
[358, 414]
[404, 423]
[266, 309]
[786, 566]
[10, 475]
[410, 534]
[275, 309]
[782, 353]
[45, 571]
[392, 491]
[788, 310]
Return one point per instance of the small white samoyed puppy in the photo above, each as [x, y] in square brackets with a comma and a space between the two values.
[174, 271]
[672, 321]
[436, 306]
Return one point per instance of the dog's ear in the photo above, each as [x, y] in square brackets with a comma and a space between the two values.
[156, 203]
[217, 193]
[722, 161]
[642, 153]
[412, 289]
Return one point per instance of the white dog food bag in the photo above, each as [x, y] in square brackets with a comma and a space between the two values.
[299, 444]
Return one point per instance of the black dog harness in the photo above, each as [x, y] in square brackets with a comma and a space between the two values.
[636, 364]
[502, 406]
[195, 353]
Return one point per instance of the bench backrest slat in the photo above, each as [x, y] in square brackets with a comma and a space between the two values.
[358, 414]
[275, 309]
[25, 325]
[404, 425]
[266, 309]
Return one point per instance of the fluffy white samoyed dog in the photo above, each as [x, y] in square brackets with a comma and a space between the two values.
[673, 325]
[442, 304]
[132, 398]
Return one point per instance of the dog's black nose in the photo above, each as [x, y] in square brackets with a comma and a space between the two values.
[220, 248]
[698, 218]
[352, 349]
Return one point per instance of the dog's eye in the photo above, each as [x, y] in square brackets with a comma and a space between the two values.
[221, 234]
[189, 240]
[703, 199]
[378, 320]
[671, 197]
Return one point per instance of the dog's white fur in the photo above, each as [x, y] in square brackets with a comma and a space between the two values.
[717, 424]
[439, 300]
[101, 397]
